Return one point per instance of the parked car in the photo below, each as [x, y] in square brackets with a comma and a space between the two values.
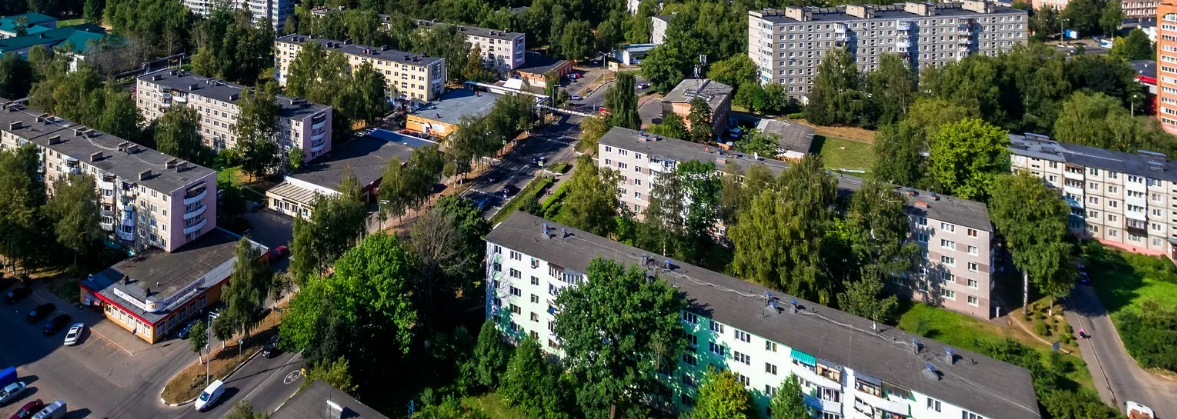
[643, 85]
[17, 294]
[279, 253]
[74, 334]
[28, 410]
[184, 331]
[40, 312]
[209, 395]
[509, 190]
[56, 324]
[10, 392]
[1084, 279]
[575, 97]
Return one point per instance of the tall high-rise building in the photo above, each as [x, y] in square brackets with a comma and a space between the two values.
[788, 45]
[1167, 65]
[264, 12]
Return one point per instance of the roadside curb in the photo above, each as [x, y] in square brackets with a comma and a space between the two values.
[230, 374]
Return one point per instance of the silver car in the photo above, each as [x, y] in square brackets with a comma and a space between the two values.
[8, 394]
[74, 334]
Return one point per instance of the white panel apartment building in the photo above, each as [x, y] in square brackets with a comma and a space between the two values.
[847, 369]
[788, 45]
[147, 198]
[501, 50]
[1125, 200]
[301, 124]
[264, 12]
[410, 76]
[954, 234]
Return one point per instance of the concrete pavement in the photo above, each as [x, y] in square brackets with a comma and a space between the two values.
[1117, 376]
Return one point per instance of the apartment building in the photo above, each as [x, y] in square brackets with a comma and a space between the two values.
[954, 234]
[410, 77]
[1124, 200]
[658, 25]
[501, 50]
[263, 12]
[301, 124]
[1167, 65]
[717, 95]
[847, 367]
[1133, 9]
[147, 198]
[788, 45]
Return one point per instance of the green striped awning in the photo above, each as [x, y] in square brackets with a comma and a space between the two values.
[804, 358]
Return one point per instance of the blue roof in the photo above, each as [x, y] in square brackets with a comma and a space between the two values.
[632, 48]
[79, 36]
[396, 137]
[8, 23]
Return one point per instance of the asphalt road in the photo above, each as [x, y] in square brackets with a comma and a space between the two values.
[1117, 376]
[554, 143]
[596, 99]
[265, 382]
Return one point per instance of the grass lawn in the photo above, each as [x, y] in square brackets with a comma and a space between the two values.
[493, 406]
[1124, 280]
[840, 153]
[233, 175]
[70, 22]
[533, 188]
[970, 333]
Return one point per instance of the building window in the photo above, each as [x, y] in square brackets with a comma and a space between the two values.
[516, 292]
[973, 301]
[743, 336]
[770, 346]
[972, 232]
[933, 404]
[515, 273]
[949, 294]
[770, 368]
[965, 414]
[534, 299]
[534, 281]
[716, 327]
[690, 318]
[950, 261]
[972, 266]
[972, 283]
[973, 250]
[948, 244]
[951, 228]
[516, 255]
[689, 359]
[715, 348]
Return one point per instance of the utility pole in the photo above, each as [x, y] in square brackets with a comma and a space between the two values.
[1062, 32]
[209, 334]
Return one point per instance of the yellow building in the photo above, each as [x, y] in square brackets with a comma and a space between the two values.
[410, 76]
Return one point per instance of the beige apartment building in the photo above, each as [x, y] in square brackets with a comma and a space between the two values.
[301, 124]
[147, 198]
[410, 77]
[501, 50]
[1124, 200]
[954, 234]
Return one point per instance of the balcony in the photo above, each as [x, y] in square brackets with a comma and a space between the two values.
[319, 124]
[196, 212]
[106, 183]
[195, 227]
[903, 45]
[180, 98]
[126, 232]
[106, 226]
[319, 136]
[1139, 228]
[840, 29]
[904, 26]
[879, 402]
[195, 196]
[315, 148]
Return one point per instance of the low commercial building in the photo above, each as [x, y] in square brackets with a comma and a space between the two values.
[441, 118]
[26, 24]
[322, 397]
[155, 292]
[1123, 200]
[658, 28]
[500, 50]
[301, 124]
[535, 70]
[262, 12]
[794, 139]
[846, 367]
[717, 95]
[80, 37]
[954, 235]
[364, 157]
[146, 198]
[410, 77]
[632, 54]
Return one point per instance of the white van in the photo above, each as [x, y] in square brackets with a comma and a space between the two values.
[210, 395]
[55, 410]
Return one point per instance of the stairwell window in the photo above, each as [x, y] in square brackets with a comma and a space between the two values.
[933, 404]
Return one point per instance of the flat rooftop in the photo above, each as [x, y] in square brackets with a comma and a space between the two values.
[186, 82]
[1146, 68]
[126, 165]
[712, 91]
[976, 382]
[366, 157]
[791, 136]
[472, 30]
[373, 52]
[882, 12]
[171, 278]
[539, 64]
[1142, 163]
[940, 207]
[308, 402]
[455, 104]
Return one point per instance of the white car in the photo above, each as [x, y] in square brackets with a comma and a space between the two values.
[209, 395]
[75, 333]
[9, 393]
[575, 97]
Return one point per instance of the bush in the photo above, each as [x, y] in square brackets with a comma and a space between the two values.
[1041, 329]
[1070, 330]
[798, 115]
[1149, 333]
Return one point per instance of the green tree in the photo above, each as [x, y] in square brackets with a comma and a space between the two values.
[592, 128]
[245, 294]
[789, 401]
[890, 90]
[22, 195]
[736, 71]
[243, 410]
[1098, 120]
[177, 133]
[334, 226]
[900, 161]
[75, 213]
[593, 197]
[622, 102]
[92, 12]
[1135, 46]
[865, 297]
[1111, 17]
[835, 98]
[198, 338]
[256, 127]
[973, 83]
[474, 67]
[334, 372]
[369, 103]
[672, 126]
[966, 156]
[699, 119]
[1033, 220]
[576, 41]
[617, 329]
[879, 228]
[532, 384]
[721, 396]
[223, 329]
[1083, 16]
[491, 355]
[16, 76]
[295, 159]
[1043, 23]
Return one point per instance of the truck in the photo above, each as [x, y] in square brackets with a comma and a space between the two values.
[7, 376]
[1138, 411]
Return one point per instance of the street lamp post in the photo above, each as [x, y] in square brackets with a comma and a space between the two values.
[208, 334]
[1062, 32]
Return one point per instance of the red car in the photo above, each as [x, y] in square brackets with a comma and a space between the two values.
[279, 253]
[29, 409]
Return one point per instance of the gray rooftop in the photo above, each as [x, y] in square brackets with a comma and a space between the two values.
[311, 402]
[366, 158]
[209, 260]
[473, 30]
[978, 383]
[791, 136]
[535, 63]
[1143, 163]
[455, 104]
[373, 52]
[1146, 68]
[664, 18]
[126, 165]
[223, 91]
[939, 207]
[712, 91]
[884, 12]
